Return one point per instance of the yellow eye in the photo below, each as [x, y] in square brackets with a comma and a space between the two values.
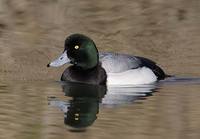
[76, 47]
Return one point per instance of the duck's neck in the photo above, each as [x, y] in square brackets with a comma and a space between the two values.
[78, 68]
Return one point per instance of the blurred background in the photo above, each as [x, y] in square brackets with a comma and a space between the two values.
[33, 32]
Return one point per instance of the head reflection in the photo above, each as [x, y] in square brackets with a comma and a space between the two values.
[81, 112]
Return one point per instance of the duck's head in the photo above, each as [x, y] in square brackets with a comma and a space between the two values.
[80, 51]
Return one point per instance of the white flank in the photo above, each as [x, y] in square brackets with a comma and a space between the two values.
[137, 76]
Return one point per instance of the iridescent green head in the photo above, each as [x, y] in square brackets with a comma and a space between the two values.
[82, 51]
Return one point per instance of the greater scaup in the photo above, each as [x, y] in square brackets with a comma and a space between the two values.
[91, 67]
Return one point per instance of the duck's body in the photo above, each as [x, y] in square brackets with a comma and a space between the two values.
[92, 67]
[119, 63]
[123, 69]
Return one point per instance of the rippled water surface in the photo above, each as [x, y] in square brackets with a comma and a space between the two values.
[169, 109]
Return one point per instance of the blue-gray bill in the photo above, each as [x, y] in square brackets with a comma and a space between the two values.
[61, 60]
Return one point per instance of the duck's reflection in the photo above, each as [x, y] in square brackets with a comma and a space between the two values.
[82, 109]
[80, 112]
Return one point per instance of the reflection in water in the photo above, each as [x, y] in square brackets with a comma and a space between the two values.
[172, 109]
[119, 95]
[80, 112]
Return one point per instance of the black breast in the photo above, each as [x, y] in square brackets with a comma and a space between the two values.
[96, 75]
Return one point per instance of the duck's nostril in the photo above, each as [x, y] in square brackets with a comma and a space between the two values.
[48, 65]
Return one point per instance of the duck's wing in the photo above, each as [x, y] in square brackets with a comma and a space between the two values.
[114, 62]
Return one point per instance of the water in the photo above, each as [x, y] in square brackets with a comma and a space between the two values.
[58, 110]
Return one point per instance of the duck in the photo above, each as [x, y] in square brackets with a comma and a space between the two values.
[104, 68]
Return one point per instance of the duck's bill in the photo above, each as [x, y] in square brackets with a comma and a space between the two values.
[61, 60]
